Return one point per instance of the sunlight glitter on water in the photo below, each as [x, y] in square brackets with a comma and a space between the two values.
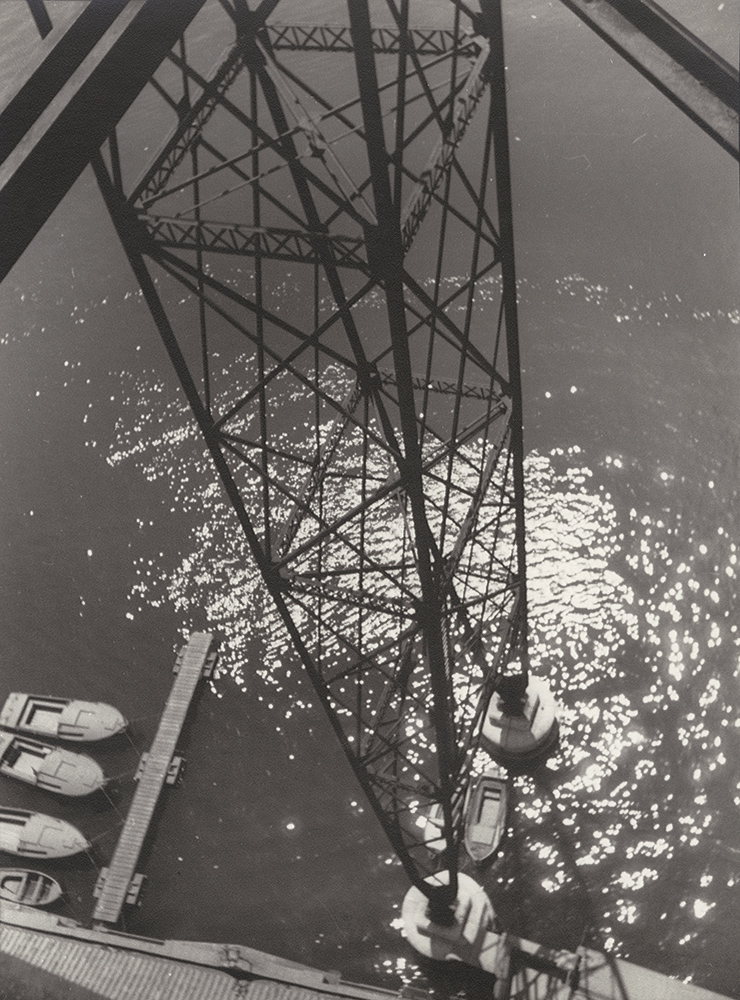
[631, 622]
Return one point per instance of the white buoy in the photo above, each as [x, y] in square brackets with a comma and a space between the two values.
[469, 938]
[520, 729]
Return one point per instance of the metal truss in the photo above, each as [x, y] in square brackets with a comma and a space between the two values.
[371, 444]
[388, 40]
[52, 124]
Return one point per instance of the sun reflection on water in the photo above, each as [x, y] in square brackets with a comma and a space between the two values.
[631, 615]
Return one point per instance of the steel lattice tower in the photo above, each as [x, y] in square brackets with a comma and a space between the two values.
[369, 160]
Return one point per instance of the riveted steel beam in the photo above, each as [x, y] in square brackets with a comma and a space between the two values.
[45, 163]
[443, 153]
[385, 40]
[55, 62]
[248, 241]
[681, 66]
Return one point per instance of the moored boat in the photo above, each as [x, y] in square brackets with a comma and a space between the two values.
[20, 885]
[485, 815]
[66, 718]
[36, 835]
[49, 767]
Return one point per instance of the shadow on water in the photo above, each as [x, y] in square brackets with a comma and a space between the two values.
[450, 980]
[591, 935]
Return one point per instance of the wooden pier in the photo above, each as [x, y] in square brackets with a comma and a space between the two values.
[44, 953]
[119, 883]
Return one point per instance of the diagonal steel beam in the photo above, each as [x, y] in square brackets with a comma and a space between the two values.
[690, 74]
[442, 155]
[315, 477]
[40, 16]
[189, 129]
[58, 59]
[61, 142]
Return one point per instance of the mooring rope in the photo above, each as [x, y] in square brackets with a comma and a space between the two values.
[114, 806]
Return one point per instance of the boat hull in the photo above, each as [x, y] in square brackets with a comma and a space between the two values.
[64, 718]
[36, 835]
[52, 768]
[30, 888]
[485, 816]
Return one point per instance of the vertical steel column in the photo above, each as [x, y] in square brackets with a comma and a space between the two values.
[385, 251]
[491, 10]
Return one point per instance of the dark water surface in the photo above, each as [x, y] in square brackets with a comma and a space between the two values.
[117, 543]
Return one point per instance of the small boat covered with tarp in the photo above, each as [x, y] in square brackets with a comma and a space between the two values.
[20, 885]
[36, 835]
[49, 767]
[64, 718]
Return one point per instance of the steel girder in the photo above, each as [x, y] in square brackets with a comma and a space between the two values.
[367, 444]
[64, 112]
[690, 74]
[386, 39]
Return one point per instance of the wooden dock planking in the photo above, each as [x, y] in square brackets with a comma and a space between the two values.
[153, 775]
[111, 973]
[38, 948]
